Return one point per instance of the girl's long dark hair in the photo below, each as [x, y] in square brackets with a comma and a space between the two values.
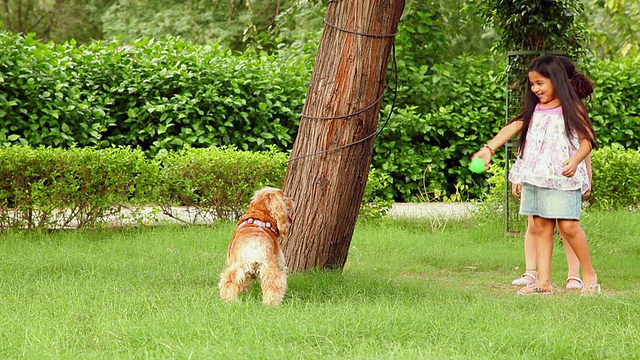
[576, 118]
[582, 85]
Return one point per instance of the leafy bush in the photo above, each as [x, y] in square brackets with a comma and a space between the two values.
[47, 188]
[152, 94]
[56, 188]
[615, 108]
[217, 183]
[42, 98]
[166, 95]
[429, 148]
[616, 178]
[374, 206]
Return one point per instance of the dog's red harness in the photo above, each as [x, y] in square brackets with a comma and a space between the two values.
[261, 224]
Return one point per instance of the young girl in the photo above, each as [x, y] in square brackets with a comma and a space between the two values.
[583, 87]
[550, 174]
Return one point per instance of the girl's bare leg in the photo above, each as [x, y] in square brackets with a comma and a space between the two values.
[531, 271]
[530, 254]
[530, 257]
[575, 236]
[572, 260]
[543, 235]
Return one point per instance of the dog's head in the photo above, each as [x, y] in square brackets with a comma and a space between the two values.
[276, 204]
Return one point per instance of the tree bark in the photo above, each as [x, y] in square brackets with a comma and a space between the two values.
[330, 160]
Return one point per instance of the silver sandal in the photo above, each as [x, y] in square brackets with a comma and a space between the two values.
[525, 279]
[574, 283]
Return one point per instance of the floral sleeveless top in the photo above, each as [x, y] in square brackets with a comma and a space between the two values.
[547, 147]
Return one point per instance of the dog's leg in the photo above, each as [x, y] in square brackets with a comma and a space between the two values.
[232, 281]
[282, 263]
[273, 282]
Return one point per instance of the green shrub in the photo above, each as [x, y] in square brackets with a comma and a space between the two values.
[615, 109]
[43, 101]
[427, 148]
[164, 95]
[47, 188]
[152, 94]
[493, 198]
[79, 187]
[216, 183]
[373, 205]
[616, 178]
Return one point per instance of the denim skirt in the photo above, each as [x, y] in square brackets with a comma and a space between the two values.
[550, 203]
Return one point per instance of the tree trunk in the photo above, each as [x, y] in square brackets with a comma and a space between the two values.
[331, 156]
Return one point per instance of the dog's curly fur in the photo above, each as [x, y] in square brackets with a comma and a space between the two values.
[254, 251]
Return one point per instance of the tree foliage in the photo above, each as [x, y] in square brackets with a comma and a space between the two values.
[615, 27]
[231, 23]
[235, 24]
[54, 20]
[447, 28]
[535, 24]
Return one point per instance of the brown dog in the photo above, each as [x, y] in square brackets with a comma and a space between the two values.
[254, 251]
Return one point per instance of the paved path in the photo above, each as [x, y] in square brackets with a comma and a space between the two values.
[149, 216]
[433, 209]
[184, 215]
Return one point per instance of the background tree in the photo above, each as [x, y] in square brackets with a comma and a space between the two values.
[545, 25]
[26, 16]
[447, 27]
[330, 159]
[615, 27]
[54, 20]
[297, 27]
[231, 23]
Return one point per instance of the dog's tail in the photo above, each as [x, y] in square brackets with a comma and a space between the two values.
[233, 280]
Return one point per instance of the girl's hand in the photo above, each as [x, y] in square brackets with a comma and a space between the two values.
[516, 189]
[569, 168]
[485, 155]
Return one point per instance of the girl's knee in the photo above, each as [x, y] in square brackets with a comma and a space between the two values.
[543, 226]
[569, 228]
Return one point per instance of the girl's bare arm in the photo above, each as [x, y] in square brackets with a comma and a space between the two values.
[507, 132]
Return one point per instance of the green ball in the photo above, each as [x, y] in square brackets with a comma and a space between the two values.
[477, 165]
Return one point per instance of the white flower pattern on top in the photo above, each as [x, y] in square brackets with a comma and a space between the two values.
[547, 147]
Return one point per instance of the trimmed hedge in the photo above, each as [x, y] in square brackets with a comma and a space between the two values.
[616, 178]
[153, 94]
[46, 188]
[79, 187]
[85, 187]
[216, 182]
[164, 95]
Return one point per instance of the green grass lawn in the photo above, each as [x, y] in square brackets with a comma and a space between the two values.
[410, 290]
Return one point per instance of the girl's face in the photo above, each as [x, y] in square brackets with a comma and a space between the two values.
[543, 88]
